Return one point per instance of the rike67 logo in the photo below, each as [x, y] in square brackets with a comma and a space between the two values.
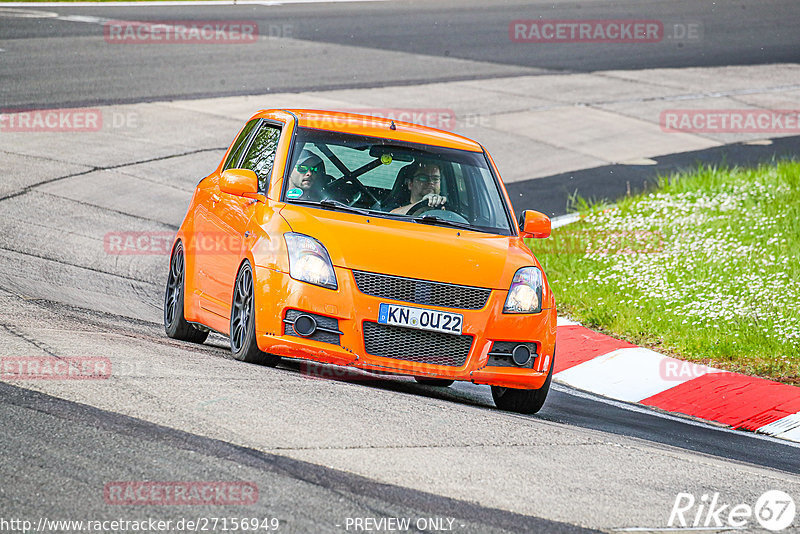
[774, 510]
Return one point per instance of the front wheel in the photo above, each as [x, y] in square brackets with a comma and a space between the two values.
[243, 322]
[175, 323]
[527, 401]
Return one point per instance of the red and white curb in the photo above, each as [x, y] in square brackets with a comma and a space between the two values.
[616, 369]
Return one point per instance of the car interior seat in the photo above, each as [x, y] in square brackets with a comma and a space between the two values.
[399, 195]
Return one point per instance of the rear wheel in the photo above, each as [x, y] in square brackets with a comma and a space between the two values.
[526, 401]
[439, 382]
[175, 323]
[243, 323]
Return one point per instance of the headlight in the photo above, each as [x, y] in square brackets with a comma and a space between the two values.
[309, 261]
[525, 293]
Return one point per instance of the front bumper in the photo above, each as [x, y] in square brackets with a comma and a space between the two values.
[277, 292]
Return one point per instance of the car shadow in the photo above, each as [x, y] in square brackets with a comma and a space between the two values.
[460, 392]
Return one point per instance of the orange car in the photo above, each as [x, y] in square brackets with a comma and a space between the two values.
[365, 242]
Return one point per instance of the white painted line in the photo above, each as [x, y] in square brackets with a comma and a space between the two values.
[563, 321]
[563, 220]
[81, 18]
[791, 435]
[639, 161]
[188, 3]
[631, 374]
[26, 13]
[758, 142]
[786, 428]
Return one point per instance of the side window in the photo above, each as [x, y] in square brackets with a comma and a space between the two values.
[239, 145]
[261, 155]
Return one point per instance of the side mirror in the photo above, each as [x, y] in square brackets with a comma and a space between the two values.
[239, 182]
[534, 224]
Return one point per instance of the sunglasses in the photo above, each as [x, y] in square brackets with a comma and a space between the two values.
[424, 178]
[302, 169]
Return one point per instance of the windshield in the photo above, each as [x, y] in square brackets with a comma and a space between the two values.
[383, 177]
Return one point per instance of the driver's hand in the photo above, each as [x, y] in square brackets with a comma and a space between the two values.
[435, 200]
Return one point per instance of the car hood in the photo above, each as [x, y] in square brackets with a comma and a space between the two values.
[413, 250]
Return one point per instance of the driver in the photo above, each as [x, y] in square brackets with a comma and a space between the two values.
[425, 183]
[305, 177]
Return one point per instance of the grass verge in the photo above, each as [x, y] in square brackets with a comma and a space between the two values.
[706, 268]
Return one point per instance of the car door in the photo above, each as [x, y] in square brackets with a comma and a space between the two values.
[201, 258]
[229, 217]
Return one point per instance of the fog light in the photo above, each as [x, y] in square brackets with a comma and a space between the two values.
[305, 325]
[521, 355]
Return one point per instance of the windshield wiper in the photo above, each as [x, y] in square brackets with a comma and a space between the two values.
[333, 205]
[433, 219]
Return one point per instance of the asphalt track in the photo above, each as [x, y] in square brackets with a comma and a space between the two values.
[50, 61]
[320, 451]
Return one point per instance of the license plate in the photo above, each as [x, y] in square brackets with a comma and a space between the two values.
[420, 318]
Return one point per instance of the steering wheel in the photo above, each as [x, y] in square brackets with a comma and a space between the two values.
[338, 186]
[437, 211]
[421, 207]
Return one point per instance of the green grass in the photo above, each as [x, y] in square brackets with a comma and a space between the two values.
[705, 268]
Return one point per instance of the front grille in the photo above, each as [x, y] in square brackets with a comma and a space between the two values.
[416, 345]
[500, 354]
[326, 323]
[422, 291]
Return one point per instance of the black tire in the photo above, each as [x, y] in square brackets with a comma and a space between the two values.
[527, 401]
[243, 324]
[175, 323]
[438, 382]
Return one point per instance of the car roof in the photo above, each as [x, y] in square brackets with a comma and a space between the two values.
[359, 124]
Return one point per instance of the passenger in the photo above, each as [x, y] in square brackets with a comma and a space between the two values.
[305, 177]
[425, 183]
